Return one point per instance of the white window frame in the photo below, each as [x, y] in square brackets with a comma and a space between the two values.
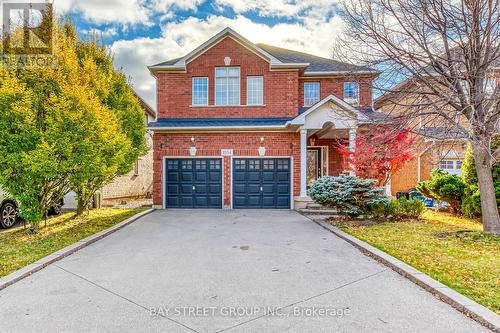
[350, 100]
[455, 169]
[261, 102]
[192, 91]
[309, 103]
[227, 86]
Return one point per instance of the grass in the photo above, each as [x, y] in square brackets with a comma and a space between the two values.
[20, 247]
[452, 250]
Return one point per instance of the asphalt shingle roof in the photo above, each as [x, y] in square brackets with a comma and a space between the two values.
[317, 64]
[169, 62]
[217, 122]
[441, 133]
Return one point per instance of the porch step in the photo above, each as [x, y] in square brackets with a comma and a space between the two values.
[321, 211]
[313, 205]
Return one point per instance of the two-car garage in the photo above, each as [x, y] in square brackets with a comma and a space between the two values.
[255, 183]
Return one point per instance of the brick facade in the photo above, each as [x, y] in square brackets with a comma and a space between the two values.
[277, 144]
[335, 86]
[280, 87]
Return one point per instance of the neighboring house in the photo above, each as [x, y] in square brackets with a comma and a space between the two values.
[437, 146]
[138, 183]
[243, 125]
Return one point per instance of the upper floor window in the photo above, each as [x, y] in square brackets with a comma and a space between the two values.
[311, 93]
[255, 95]
[351, 92]
[451, 166]
[200, 90]
[227, 86]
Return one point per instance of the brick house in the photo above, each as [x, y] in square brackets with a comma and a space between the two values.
[138, 183]
[243, 125]
[437, 145]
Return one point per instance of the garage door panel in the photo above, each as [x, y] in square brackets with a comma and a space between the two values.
[239, 176]
[200, 176]
[268, 176]
[186, 201]
[214, 189]
[186, 176]
[201, 201]
[214, 176]
[283, 189]
[193, 183]
[173, 189]
[254, 201]
[173, 201]
[239, 188]
[200, 189]
[173, 176]
[268, 189]
[214, 201]
[282, 176]
[186, 189]
[253, 188]
[283, 201]
[253, 176]
[268, 202]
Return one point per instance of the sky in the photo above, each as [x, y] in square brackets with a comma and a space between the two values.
[145, 32]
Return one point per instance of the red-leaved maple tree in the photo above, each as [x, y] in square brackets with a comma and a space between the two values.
[379, 153]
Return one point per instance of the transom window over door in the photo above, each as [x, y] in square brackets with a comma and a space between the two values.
[200, 91]
[227, 86]
[311, 93]
[255, 90]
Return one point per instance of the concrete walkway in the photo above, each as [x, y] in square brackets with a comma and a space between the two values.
[212, 271]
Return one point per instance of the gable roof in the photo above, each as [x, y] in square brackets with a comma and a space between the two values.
[276, 56]
[300, 119]
[146, 107]
[316, 64]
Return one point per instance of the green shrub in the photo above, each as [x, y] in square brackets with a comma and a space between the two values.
[471, 200]
[444, 186]
[404, 208]
[351, 195]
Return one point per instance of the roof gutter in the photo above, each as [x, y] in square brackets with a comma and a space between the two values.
[353, 72]
[216, 128]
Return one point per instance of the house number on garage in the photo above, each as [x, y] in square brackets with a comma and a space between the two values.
[226, 152]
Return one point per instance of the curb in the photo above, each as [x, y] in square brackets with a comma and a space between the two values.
[470, 308]
[64, 252]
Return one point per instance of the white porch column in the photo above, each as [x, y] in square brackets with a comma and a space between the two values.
[352, 146]
[303, 163]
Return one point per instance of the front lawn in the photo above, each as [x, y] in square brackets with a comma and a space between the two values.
[19, 247]
[450, 249]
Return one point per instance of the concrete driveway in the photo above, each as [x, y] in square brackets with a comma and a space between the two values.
[212, 271]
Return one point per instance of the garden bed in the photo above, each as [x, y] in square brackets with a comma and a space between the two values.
[20, 247]
[450, 249]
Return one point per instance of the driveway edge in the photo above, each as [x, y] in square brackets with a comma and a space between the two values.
[470, 308]
[64, 252]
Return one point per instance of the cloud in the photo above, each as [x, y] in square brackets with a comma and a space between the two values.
[314, 35]
[125, 12]
[279, 8]
[109, 11]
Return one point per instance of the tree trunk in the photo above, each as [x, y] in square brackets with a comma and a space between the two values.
[489, 210]
[80, 207]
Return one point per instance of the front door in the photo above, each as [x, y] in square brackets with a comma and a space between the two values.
[316, 163]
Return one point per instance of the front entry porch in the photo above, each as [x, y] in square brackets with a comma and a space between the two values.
[324, 127]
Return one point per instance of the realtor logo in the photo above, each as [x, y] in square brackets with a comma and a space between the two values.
[27, 28]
